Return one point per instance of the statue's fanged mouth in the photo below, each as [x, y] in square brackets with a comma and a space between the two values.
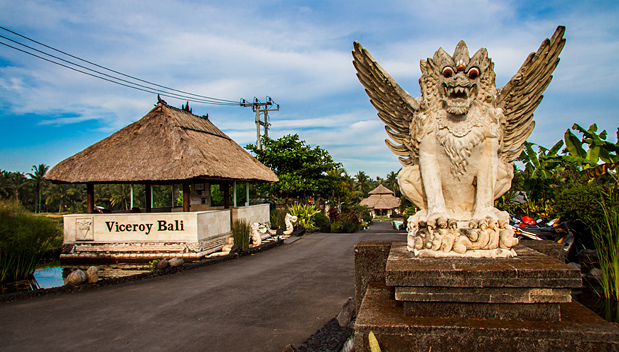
[458, 98]
[457, 92]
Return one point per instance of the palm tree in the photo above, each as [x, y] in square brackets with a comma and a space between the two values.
[38, 178]
[121, 194]
[391, 182]
[340, 185]
[102, 195]
[17, 182]
[59, 193]
[4, 183]
[363, 181]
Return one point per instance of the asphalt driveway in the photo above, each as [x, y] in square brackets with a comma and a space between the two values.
[261, 302]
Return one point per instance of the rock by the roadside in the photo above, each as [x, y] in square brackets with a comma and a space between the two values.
[574, 265]
[588, 259]
[76, 277]
[330, 338]
[349, 345]
[298, 231]
[290, 348]
[176, 261]
[595, 273]
[163, 263]
[92, 274]
[236, 249]
[347, 313]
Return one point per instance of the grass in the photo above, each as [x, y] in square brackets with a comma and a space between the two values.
[606, 237]
[240, 233]
[24, 238]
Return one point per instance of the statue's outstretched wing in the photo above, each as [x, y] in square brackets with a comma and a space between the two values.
[396, 108]
[523, 93]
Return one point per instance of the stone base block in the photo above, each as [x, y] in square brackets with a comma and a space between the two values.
[483, 295]
[530, 269]
[578, 330]
[500, 311]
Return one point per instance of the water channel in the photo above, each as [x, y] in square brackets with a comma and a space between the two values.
[52, 274]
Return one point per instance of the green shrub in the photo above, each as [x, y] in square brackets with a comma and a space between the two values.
[336, 226]
[363, 213]
[240, 233]
[409, 211]
[580, 201]
[24, 238]
[347, 222]
[350, 226]
[322, 222]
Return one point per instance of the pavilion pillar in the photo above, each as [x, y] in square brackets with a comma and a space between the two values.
[186, 196]
[149, 197]
[234, 190]
[90, 198]
[246, 194]
[226, 187]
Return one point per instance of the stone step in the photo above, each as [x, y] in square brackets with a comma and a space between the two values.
[578, 330]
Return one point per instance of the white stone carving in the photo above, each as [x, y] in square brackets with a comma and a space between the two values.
[458, 141]
[257, 232]
[288, 220]
[260, 232]
[84, 229]
[289, 227]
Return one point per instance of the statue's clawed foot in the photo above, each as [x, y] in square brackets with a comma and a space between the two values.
[491, 213]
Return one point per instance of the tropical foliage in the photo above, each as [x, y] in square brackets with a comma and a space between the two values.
[302, 170]
[305, 214]
[576, 182]
[24, 238]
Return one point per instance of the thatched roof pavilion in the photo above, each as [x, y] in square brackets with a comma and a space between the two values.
[168, 145]
[381, 198]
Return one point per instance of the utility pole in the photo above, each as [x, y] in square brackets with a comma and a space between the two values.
[264, 108]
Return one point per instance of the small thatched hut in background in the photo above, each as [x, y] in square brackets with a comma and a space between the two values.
[381, 201]
[167, 146]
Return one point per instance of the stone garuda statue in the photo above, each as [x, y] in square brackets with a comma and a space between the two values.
[458, 141]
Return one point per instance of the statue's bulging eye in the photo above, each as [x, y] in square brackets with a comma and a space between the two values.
[448, 72]
[473, 73]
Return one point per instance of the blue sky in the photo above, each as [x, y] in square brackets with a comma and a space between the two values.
[297, 52]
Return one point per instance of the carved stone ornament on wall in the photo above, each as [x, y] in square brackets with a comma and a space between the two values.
[84, 229]
[458, 141]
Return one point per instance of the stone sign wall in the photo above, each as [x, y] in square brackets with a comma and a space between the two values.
[142, 236]
[151, 227]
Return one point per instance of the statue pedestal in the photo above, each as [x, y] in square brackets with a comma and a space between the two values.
[472, 304]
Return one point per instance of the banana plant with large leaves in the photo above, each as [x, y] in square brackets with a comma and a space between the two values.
[542, 170]
[545, 163]
[597, 150]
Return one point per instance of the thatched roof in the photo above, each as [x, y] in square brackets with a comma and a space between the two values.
[381, 190]
[166, 145]
[381, 198]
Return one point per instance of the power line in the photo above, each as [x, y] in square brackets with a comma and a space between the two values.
[115, 82]
[111, 79]
[197, 98]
